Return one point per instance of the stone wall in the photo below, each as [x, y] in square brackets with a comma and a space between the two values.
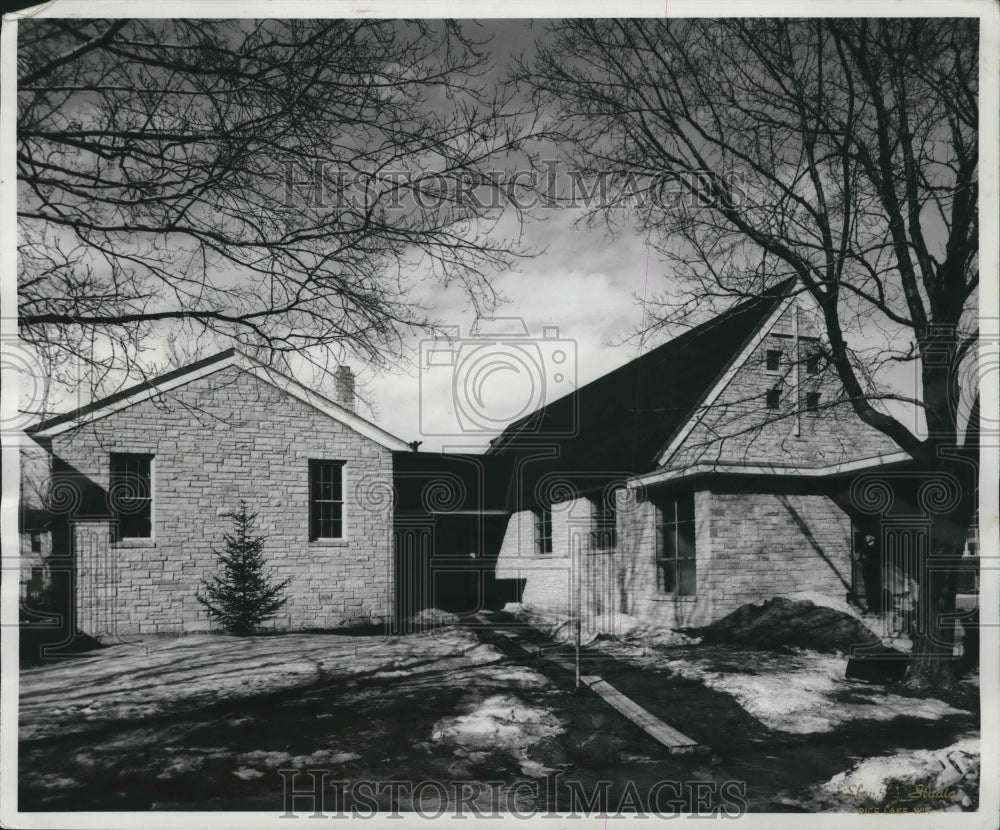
[749, 547]
[739, 428]
[216, 440]
[786, 543]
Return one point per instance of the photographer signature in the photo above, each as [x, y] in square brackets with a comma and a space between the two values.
[919, 792]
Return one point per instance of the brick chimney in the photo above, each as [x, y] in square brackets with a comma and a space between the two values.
[344, 387]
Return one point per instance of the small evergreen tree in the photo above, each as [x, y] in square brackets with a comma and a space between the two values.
[242, 597]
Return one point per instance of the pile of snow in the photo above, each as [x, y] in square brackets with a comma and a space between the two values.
[782, 622]
[434, 616]
[911, 779]
[825, 601]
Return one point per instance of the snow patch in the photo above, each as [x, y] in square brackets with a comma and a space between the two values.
[562, 628]
[263, 758]
[323, 756]
[54, 782]
[248, 774]
[434, 616]
[191, 762]
[942, 779]
[498, 722]
[149, 678]
[799, 694]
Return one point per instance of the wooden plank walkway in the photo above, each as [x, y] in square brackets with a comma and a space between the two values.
[675, 741]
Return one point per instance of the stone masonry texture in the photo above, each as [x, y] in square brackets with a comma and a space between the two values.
[217, 440]
[752, 542]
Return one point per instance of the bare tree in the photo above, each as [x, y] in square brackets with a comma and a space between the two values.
[277, 185]
[841, 152]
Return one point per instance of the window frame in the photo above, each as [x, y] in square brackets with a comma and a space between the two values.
[542, 518]
[812, 403]
[767, 359]
[117, 474]
[669, 520]
[317, 465]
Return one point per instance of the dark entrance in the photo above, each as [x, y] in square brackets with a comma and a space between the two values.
[448, 561]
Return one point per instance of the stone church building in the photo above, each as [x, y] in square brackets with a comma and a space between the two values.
[712, 471]
[720, 468]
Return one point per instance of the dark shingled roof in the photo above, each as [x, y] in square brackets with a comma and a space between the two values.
[131, 390]
[621, 422]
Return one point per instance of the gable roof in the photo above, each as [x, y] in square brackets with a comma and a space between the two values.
[623, 421]
[154, 387]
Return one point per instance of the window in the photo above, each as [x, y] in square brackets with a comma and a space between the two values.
[326, 500]
[675, 550]
[543, 531]
[36, 542]
[603, 520]
[130, 493]
[813, 362]
[812, 402]
[773, 360]
[773, 398]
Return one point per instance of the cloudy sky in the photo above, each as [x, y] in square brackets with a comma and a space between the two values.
[584, 282]
[585, 285]
[570, 314]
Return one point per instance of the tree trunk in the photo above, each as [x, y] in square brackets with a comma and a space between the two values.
[933, 664]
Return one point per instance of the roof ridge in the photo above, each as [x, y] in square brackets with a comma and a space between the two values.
[128, 391]
[766, 300]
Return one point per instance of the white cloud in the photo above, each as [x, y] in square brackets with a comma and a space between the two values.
[578, 297]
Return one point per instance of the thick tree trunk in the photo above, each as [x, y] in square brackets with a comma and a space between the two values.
[933, 663]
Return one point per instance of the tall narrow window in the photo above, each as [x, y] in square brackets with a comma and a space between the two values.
[603, 521]
[130, 492]
[675, 546]
[543, 531]
[773, 360]
[326, 500]
[812, 402]
[813, 363]
[773, 398]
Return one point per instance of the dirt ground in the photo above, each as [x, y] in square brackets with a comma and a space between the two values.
[207, 722]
